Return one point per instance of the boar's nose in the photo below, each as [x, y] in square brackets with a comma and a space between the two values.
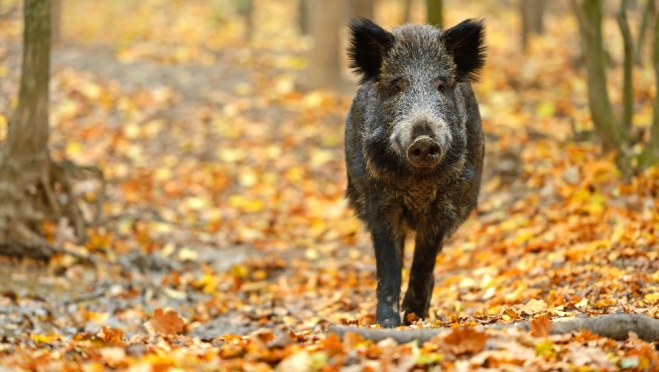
[424, 152]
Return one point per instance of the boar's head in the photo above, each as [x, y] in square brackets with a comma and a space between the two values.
[418, 71]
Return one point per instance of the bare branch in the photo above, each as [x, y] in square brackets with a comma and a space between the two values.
[614, 326]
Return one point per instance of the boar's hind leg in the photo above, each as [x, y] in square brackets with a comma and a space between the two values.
[422, 280]
[387, 243]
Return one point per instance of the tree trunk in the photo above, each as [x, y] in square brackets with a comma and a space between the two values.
[407, 12]
[610, 131]
[324, 68]
[628, 94]
[532, 14]
[651, 153]
[303, 17]
[246, 9]
[435, 13]
[648, 12]
[56, 22]
[654, 136]
[362, 9]
[32, 187]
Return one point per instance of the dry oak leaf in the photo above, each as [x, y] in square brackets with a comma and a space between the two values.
[412, 318]
[511, 315]
[111, 336]
[534, 306]
[332, 344]
[465, 341]
[541, 326]
[168, 323]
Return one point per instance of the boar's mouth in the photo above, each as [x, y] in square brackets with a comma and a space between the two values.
[424, 152]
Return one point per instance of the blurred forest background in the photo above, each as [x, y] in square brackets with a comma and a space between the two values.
[191, 153]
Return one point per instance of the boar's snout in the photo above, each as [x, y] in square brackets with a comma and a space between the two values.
[424, 152]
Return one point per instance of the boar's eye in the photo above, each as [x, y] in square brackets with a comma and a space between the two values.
[395, 86]
[441, 86]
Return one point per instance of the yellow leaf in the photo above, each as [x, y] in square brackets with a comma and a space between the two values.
[545, 109]
[74, 148]
[187, 254]
[524, 236]
[285, 85]
[207, 283]
[618, 233]
[596, 203]
[91, 91]
[295, 174]
[196, 203]
[247, 179]
[132, 131]
[41, 339]
[246, 205]
[320, 157]
[582, 304]
[534, 306]
[314, 99]
[229, 155]
[239, 271]
[545, 348]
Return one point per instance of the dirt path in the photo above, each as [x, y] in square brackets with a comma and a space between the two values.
[194, 88]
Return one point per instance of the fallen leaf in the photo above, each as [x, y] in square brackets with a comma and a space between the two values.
[465, 341]
[534, 306]
[168, 323]
[541, 326]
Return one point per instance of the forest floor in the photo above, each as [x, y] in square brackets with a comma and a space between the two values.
[219, 236]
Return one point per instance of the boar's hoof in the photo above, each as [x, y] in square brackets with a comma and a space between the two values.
[387, 318]
[424, 152]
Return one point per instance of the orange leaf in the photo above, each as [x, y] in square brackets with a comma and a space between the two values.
[412, 318]
[541, 326]
[511, 314]
[112, 336]
[465, 341]
[352, 338]
[332, 344]
[264, 336]
[168, 323]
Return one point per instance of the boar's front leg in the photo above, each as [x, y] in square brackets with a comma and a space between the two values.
[419, 291]
[388, 245]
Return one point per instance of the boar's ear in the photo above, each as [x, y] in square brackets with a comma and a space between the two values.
[368, 45]
[466, 43]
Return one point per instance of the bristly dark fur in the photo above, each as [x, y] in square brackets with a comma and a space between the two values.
[368, 46]
[415, 94]
[466, 42]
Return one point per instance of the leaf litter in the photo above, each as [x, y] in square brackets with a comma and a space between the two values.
[225, 240]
